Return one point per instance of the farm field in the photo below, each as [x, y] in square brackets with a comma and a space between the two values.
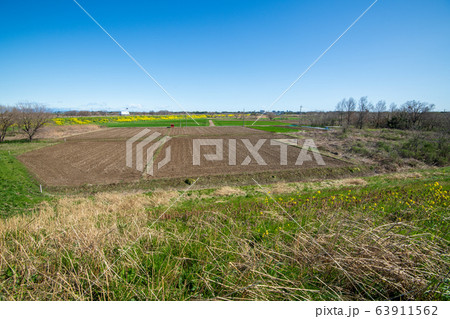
[247, 122]
[143, 121]
[160, 123]
[270, 232]
[100, 157]
[161, 120]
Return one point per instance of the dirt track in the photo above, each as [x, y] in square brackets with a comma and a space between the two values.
[100, 157]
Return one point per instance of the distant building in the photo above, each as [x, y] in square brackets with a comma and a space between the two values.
[124, 113]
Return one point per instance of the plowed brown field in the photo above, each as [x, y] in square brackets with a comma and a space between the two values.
[100, 157]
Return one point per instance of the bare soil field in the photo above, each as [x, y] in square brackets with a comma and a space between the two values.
[99, 158]
[58, 132]
[122, 134]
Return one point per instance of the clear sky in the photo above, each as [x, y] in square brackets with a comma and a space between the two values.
[223, 55]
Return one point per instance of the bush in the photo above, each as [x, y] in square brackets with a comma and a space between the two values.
[189, 181]
[384, 146]
[431, 152]
[360, 148]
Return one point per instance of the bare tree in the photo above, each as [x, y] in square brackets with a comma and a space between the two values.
[31, 117]
[350, 106]
[393, 108]
[415, 110]
[270, 115]
[340, 109]
[364, 107]
[6, 120]
[380, 108]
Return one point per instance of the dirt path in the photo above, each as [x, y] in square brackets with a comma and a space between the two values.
[211, 123]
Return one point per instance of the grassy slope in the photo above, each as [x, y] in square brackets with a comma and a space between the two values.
[18, 190]
[373, 238]
[395, 146]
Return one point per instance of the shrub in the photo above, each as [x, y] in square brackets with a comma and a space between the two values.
[429, 151]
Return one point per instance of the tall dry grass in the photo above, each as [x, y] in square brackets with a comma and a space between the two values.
[113, 246]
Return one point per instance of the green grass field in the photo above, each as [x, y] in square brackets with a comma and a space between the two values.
[275, 129]
[19, 192]
[286, 118]
[160, 123]
[247, 122]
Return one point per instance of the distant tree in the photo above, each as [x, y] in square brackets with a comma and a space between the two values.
[84, 113]
[380, 108]
[350, 107]
[71, 113]
[270, 115]
[364, 106]
[414, 112]
[31, 117]
[7, 117]
[340, 109]
[393, 108]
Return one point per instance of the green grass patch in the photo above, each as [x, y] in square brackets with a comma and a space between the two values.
[276, 129]
[247, 122]
[160, 123]
[284, 118]
[18, 190]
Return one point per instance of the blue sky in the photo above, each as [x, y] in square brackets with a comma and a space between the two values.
[223, 55]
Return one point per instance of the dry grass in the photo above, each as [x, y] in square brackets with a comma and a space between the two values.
[102, 248]
[163, 197]
[76, 227]
[228, 191]
[55, 132]
[404, 175]
[348, 182]
[286, 188]
[58, 132]
[282, 188]
[376, 261]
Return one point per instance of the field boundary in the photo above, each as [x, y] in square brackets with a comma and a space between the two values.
[215, 181]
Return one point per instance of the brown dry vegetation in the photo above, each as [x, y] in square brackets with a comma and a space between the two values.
[228, 191]
[115, 246]
[51, 132]
[389, 149]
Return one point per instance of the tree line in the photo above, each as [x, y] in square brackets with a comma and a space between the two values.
[410, 115]
[26, 117]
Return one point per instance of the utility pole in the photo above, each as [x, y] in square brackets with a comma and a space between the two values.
[243, 118]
